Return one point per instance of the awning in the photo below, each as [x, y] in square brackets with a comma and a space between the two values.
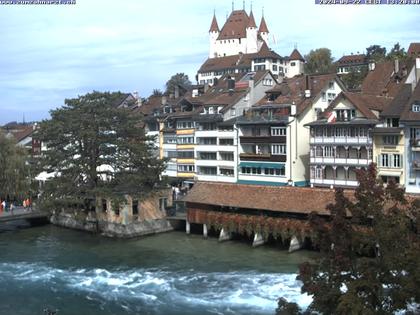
[262, 165]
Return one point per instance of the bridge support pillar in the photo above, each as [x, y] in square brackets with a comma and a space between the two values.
[294, 244]
[258, 240]
[187, 227]
[205, 232]
[224, 236]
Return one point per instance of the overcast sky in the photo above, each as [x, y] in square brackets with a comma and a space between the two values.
[49, 53]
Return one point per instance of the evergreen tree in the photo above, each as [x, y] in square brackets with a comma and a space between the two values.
[96, 150]
[14, 169]
[369, 263]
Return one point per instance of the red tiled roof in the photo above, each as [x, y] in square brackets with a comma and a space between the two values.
[295, 55]
[235, 26]
[21, 134]
[384, 81]
[408, 114]
[285, 199]
[414, 50]
[214, 27]
[352, 59]
[263, 26]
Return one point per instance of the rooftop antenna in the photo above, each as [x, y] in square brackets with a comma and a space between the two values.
[244, 4]
[233, 6]
[23, 118]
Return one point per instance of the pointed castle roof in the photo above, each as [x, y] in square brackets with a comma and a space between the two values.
[295, 55]
[235, 26]
[251, 22]
[263, 26]
[214, 27]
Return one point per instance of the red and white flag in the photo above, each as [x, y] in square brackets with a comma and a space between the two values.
[332, 117]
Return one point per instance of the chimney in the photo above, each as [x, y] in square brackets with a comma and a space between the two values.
[396, 66]
[164, 100]
[307, 87]
[206, 87]
[231, 84]
[176, 91]
[136, 95]
[372, 66]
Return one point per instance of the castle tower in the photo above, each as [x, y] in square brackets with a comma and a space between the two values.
[263, 29]
[251, 35]
[296, 64]
[213, 35]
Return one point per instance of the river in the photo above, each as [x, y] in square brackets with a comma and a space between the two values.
[173, 273]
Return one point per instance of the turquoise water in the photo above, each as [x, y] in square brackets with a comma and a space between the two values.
[172, 273]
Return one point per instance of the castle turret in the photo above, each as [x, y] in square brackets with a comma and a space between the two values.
[251, 35]
[263, 30]
[213, 35]
[296, 64]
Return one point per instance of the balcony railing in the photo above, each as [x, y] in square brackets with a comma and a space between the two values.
[262, 157]
[339, 160]
[346, 140]
[262, 139]
[334, 182]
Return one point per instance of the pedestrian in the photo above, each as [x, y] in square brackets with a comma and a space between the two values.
[24, 204]
[12, 206]
[4, 204]
[29, 204]
[1, 207]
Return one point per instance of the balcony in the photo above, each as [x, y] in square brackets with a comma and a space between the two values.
[341, 140]
[262, 157]
[334, 182]
[341, 161]
[262, 139]
[415, 144]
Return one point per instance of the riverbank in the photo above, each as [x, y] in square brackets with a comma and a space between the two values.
[170, 273]
[90, 223]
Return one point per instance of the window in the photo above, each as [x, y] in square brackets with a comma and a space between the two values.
[207, 141]
[226, 172]
[396, 161]
[267, 82]
[390, 140]
[293, 64]
[226, 156]
[392, 122]
[331, 85]
[135, 207]
[384, 160]
[225, 141]
[345, 114]
[331, 97]
[278, 131]
[277, 149]
[170, 153]
[185, 124]
[275, 67]
[324, 96]
[416, 108]
[208, 155]
[185, 140]
[185, 154]
[104, 206]
[274, 171]
[329, 152]
[232, 112]
[207, 170]
[186, 168]
[169, 139]
[207, 126]
[163, 203]
[388, 179]
[259, 68]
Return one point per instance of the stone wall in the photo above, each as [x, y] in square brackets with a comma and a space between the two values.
[90, 223]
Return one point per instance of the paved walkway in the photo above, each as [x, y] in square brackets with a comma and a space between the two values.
[16, 211]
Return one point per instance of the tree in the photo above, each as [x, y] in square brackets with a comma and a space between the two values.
[157, 92]
[319, 61]
[96, 151]
[397, 53]
[179, 79]
[369, 262]
[14, 169]
[353, 80]
[376, 53]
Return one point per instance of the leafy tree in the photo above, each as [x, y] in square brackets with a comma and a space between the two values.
[14, 169]
[397, 52]
[376, 53]
[319, 61]
[179, 79]
[95, 151]
[353, 80]
[370, 262]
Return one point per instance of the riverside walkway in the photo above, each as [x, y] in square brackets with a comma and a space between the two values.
[19, 213]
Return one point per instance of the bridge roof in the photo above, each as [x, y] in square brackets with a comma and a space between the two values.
[302, 200]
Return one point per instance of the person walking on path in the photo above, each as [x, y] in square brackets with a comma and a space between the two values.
[12, 206]
[1, 207]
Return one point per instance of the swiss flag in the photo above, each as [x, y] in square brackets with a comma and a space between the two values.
[332, 117]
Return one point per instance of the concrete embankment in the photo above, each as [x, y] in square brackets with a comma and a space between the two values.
[91, 224]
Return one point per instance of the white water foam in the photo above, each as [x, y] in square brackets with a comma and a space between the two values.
[216, 291]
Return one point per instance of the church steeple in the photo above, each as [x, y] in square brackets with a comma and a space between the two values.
[263, 26]
[214, 27]
[251, 21]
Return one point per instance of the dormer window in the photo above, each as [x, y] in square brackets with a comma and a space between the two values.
[345, 114]
[331, 85]
[416, 108]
